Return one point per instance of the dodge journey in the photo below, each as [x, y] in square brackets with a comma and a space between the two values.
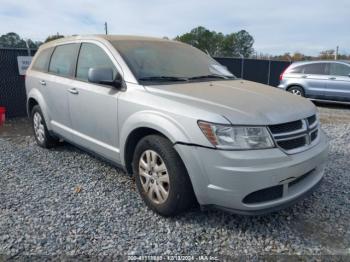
[187, 129]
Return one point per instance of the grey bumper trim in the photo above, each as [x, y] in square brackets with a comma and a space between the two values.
[266, 210]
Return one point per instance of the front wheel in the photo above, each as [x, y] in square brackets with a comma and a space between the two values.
[161, 176]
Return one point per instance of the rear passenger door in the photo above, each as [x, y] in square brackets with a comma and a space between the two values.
[56, 85]
[338, 84]
[315, 77]
[93, 107]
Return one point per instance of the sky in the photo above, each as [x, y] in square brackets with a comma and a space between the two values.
[278, 26]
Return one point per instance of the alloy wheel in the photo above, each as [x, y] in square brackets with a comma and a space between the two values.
[295, 92]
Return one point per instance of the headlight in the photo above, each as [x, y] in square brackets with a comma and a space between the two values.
[236, 137]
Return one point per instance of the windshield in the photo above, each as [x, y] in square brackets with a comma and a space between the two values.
[167, 61]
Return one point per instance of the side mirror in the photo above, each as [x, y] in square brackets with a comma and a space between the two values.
[104, 76]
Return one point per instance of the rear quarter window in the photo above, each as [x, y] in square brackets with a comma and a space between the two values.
[41, 63]
[297, 70]
[316, 69]
[63, 60]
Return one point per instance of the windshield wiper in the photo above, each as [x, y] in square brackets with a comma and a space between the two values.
[162, 78]
[210, 76]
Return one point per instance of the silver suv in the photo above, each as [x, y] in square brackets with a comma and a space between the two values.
[182, 124]
[319, 80]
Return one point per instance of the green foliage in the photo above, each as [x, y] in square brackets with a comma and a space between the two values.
[13, 40]
[218, 44]
[53, 37]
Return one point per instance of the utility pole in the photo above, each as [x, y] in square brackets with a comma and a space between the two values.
[336, 53]
[106, 28]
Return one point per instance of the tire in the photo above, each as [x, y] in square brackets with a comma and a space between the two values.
[41, 133]
[171, 178]
[297, 90]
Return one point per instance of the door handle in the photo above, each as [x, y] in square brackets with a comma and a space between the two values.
[73, 91]
[42, 82]
[332, 78]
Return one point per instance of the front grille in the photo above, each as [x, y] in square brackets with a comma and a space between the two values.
[312, 120]
[295, 136]
[292, 143]
[286, 127]
[264, 195]
[274, 192]
[314, 135]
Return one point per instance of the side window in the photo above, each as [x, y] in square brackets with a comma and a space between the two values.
[297, 70]
[316, 69]
[339, 69]
[63, 60]
[92, 56]
[41, 63]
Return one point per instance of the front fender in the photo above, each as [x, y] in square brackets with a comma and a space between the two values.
[164, 124]
[38, 97]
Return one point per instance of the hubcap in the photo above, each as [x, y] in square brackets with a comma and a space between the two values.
[296, 92]
[39, 129]
[154, 176]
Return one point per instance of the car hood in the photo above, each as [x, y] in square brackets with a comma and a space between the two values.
[239, 101]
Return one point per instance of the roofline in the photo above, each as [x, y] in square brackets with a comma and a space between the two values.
[321, 61]
[100, 37]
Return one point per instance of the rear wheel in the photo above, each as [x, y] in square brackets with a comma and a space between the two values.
[161, 176]
[296, 90]
[41, 134]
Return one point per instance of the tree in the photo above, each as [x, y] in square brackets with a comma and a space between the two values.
[12, 40]
[327, 54]
[243, 43]
[53, 37]
[218, 44]
[297, 56]
[202, 38]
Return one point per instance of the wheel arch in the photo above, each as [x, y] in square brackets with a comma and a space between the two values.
[142, 124]
[36, 98]
[298, 85]
[131, 142]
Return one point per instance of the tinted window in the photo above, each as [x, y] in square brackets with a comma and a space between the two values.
[297, 70]
[92, 56]
[63, 59]
[316, 69]
[339, 69]
[42, 61]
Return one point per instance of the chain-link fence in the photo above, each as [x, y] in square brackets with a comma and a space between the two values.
[13, 94]
[261, 71]
[12, 90]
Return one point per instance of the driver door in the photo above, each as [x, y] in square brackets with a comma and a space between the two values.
[93, 107]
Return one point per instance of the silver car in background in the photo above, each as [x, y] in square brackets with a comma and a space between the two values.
[319, 80]
[187, 129]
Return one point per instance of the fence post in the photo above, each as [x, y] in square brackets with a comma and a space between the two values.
[269, 72]
[242, 65]
[28, 48]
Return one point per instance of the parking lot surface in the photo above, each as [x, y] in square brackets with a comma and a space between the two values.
[65, 201]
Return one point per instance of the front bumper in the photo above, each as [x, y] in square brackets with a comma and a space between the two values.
[225, 179]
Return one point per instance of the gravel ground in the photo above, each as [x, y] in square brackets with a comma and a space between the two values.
[64, 201]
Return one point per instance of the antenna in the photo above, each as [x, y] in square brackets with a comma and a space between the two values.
[106, 28]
